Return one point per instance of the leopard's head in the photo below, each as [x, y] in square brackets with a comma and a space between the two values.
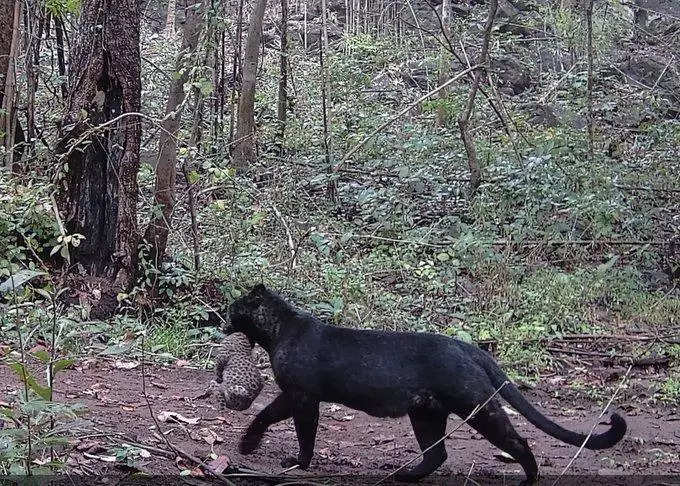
[255, 315]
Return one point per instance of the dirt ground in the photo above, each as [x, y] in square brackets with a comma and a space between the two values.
[351, 446]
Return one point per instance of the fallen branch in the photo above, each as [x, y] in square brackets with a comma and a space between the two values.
[171, 446]
[523, 243]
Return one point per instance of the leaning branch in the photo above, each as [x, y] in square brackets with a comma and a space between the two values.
[337, 166]
[463, 121]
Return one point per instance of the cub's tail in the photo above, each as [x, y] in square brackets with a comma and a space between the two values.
[515, 398]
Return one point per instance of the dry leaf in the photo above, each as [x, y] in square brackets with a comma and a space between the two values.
[220, 464]
[505, 457]
[126, 365]
[206, 435]
[100, 458]
[509, 410]
[176, 417]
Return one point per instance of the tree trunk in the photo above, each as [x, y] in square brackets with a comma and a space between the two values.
[61, 61]
[166, 169]
[444, 62]
[464, 120]
[282, 108]
[236, 71]
[32, 50]
[101, 138]
[244, 151]
[10, 13]
[170, 19]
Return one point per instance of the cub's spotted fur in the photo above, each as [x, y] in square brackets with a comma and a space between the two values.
[237, 380]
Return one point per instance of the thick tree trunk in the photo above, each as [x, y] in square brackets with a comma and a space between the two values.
[244, 151]
[166, 169]
[98, 198]
[10, 13]
[170, 19]
[6, 26]
[236, 71]
[61, 61]
[282, 108]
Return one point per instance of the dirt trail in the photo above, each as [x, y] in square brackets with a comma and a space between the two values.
[349, 442]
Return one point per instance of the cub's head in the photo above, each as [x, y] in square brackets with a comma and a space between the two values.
[256, 315]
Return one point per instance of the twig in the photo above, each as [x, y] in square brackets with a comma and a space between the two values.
[463, 121]
[579, 352]
[449, 434]
[592, 429]
[60, 224]
[642, 188]
[24, 379]
[658, 80]
[591, 118]
[291, 244]
[400, 114]
[191, 192]
[545, 97]
[170, 445]
[467, 477]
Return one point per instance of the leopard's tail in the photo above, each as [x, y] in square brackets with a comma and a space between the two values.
[514, 397]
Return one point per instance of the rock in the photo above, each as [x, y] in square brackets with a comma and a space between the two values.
[513, 77]
[416, 74]
[553, 115]
[652, 70]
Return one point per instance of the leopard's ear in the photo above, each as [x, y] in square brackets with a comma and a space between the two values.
[259, 289]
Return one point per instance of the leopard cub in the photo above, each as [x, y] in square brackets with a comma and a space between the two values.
[237, 380]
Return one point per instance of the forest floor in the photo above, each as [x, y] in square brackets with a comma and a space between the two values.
[351, 446]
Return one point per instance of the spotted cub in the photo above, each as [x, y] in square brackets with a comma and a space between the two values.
[237, 380]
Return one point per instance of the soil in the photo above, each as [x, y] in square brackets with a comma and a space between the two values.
[351, 447]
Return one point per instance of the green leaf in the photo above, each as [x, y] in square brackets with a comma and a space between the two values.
[64, 253]
[18, 279]
[25, 376]
[194, 177]
[609, 265]
[116, 349]
[61, 365]
[463, 336]
[7, 412]
[42, 355]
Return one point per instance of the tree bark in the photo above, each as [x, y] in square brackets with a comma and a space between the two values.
[10, 13]
[244, 150]
[282, 108]
[170, 19]
[100, 139]
[464, 120]
[236, 70]
[444, 62]
[61, 61]
[591, 117]
[166, 170]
